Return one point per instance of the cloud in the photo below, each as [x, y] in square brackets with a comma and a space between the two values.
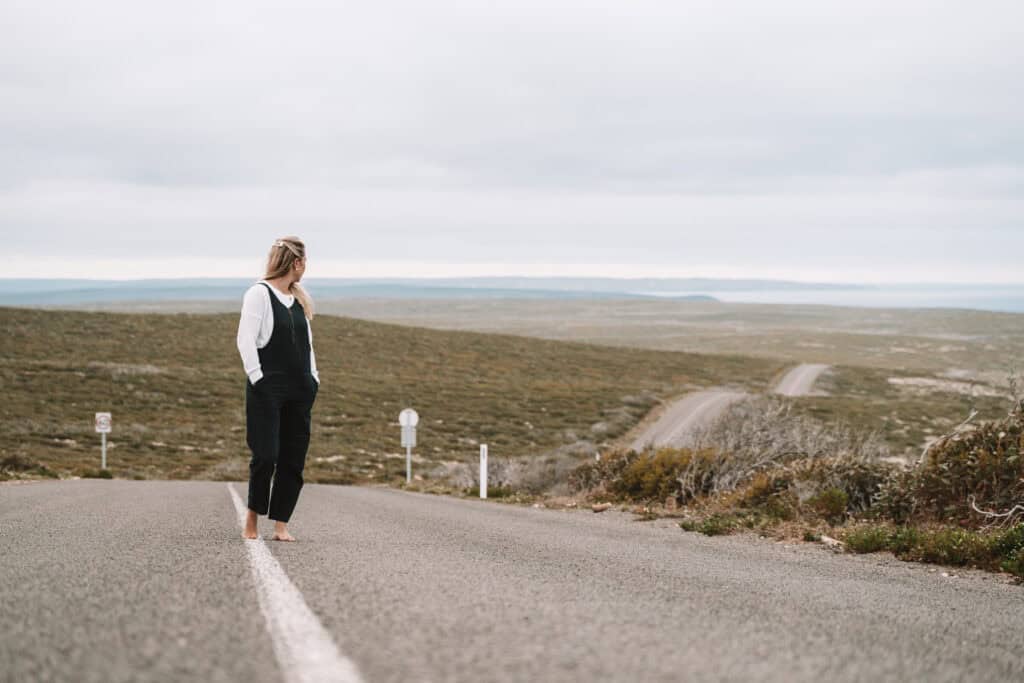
[647, 132]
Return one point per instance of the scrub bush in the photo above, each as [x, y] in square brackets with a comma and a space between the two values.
[17, 467]
[764, 433]
[830, 504]
[983, 465]
[1014, 564]
[651, 475]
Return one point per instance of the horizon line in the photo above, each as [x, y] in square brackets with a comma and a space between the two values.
[422, 278]
[252, 265]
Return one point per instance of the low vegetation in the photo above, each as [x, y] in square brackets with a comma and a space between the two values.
[760, 445]
[961, 505]
[998, 549]
[20, 467]
[175, 385]
[904, 417]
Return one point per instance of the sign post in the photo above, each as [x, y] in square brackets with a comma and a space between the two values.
[103, 426]
[408, 418]
[483, 470]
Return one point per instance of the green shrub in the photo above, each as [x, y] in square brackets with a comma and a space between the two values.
[718, 525]
[652, 475]
[97, 474]
[859, 480]
[895, 499]
[1007, 542]
[493, 491]
[952, 546]
[600, 473]
[903, 539]
[830, 504]
[1014, 564]
[871, 539]
[948, 545]
[763, 487]
[782, 506]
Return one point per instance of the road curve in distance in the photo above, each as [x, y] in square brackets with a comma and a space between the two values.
[800, 380]
[676, 425]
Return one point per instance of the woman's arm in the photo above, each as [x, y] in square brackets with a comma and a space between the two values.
[312, 356]
[254, 310]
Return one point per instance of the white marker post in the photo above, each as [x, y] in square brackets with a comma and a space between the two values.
[408, 418]
[103, 426]
[483, 470]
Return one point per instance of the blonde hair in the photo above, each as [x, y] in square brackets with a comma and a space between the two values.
[285, 252]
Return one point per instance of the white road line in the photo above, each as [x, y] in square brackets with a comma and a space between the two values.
[304, 650]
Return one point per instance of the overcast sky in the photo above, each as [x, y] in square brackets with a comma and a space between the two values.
[818, 140]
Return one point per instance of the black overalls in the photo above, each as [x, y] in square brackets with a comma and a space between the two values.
[277, 411]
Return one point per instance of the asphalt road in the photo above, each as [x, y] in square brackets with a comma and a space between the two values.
[146, 581]
[674, 428]
[800, 380]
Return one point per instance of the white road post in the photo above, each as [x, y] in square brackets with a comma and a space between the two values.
[103, 426]
[483, 470]
[408, 419]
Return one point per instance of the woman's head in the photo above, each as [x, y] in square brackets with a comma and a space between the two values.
[287, 260]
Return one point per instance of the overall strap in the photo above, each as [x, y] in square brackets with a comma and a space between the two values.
[274, 296]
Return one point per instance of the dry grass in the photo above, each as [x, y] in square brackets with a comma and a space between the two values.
[176, 389]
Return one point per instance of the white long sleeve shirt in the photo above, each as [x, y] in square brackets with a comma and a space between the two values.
[256, 326]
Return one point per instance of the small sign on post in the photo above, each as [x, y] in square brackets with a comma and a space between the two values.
[483, 470]
[104, 425]
[408, 418]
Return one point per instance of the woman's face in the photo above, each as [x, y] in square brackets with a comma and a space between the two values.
[299, 266]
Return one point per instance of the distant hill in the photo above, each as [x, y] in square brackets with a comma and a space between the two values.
[84, 293]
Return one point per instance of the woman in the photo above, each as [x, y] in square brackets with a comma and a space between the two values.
[275, 340]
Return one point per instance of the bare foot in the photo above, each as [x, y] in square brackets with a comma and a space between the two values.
[281, 533]
[250, 532]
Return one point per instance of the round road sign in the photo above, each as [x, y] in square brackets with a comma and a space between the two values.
[408, 418]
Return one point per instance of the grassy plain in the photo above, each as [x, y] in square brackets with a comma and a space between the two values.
[923, 340]
[963, 357]
[963, 344]
[175, 385]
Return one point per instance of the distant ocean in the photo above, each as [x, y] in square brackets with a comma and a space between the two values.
[1006, 298]
[1003, 298]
